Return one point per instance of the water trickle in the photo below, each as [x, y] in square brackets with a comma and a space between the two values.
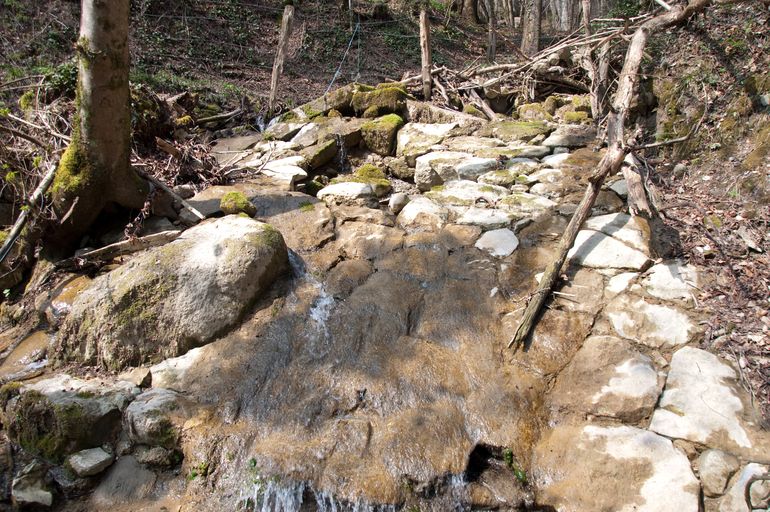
[323, 303]
[299, 496]
[260, 123]
[342, 154]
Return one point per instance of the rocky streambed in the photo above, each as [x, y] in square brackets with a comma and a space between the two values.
[334, 337]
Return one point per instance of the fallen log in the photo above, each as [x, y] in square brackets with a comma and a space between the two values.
[109, 252]
[610, 163]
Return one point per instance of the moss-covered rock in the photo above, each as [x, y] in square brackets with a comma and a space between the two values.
[339, 100]
[371, 175]
[175, 297]
[379, 135]
[386, 100]
[470, 109]
[534, 112]
[576, 117]
[513, 131]
[320, 154]
[236, 202]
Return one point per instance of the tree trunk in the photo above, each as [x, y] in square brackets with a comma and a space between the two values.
[492, 28]
[470, 10]
[530, 37]
[280, 55]
[95, 168]
[427, 57]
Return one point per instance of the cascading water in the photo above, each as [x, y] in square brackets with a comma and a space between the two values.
[322, 304]
[273, 496]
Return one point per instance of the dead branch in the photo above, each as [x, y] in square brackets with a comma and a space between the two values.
[610, 163]
[24, 136]
[122, 248]
[170, 192]
[56, 134]
[219, 117]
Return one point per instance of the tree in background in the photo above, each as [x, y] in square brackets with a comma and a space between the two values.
[95, 169]
[530, 36]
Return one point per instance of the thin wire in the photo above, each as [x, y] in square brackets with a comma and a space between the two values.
[337, 73]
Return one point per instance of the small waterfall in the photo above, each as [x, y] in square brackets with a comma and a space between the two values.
[322, 304]
[260, 123]
[301, 497]
[342, 154]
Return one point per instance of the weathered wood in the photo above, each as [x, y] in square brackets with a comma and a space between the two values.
[425, 50]
[170, 192]
[637, 196]
[492, 31]
[121, 248]
[483, 105]
[25, 214]
[280, 56]
[610, 163]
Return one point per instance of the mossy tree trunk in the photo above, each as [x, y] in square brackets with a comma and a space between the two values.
[95, 169]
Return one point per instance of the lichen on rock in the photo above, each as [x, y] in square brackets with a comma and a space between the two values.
[380, 134]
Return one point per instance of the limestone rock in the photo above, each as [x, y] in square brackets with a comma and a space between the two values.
[471, 144]
[620, 187]
[632, 231]
[126, 482]
[514, 131]
[612, 468]
[502, 178]
[734, 500]
[60, 415]
[514, 150]
[715, 468]
[320, 154]
[366, 241]
[571, 136]
[608, 377]
[156, 416]
[171, 298]
[90, 462]
[671, 281]
[381, 101]
[30, 488]
[422, 214]
[345, 191]
[397, 202]
[653, 325]
[498, 242]
[278, 131]
[544, 176]
[305, 222]
[466, 193]
[416, 139]
[555, 160]
[379, 135]
[598, 250]
[346, 276]
[441, 166]
[522, 204]
[485, 218]
[703, 403]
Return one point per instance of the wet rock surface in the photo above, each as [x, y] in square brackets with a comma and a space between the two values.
[375, 373]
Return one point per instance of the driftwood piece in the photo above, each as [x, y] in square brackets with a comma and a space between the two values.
[122, 248]
[219, 117]
[280, 55]
[425, 51]
[26, 213]
[610, 163]
[170, 192]
[483, 104]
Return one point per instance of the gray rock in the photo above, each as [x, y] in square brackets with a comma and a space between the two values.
[362, 240]
[416, 139]
[734, 500]
[156, 417]
[466, 193]
[156, 456]
[571, 136]
[172, 298]
[346, 191]
[126, 482]
[422, 214]
[704, 403]
[471, 144]
[485, 218]
[612, 468]
[140, 377]
[30, 488]
[560, 150]
[609, 378]
[653, 325]
[632, 231]
[555, 160]
[671, 281]
[442, 166]
[523, 204]
[715, 468]
[598, 250]
[90, 462]
[620, 187]
[397, 202]
[499, 242]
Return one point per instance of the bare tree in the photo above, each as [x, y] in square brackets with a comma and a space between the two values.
[530, 37]
[95, 169]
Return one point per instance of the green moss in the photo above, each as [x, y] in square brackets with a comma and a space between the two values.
[387, 100]
[551, 103]
[269, 237]
[371, 112]
[334, 113]
[582, 103]
[438, 188]
[520, 130]
[379, 135]
[576, 117]
[310, 112]
[761, 142]
[289, 117]
[27, 101]
[470, 109]
[3, 235]
[306, 206]
[757, 84]
[371, 175]
[534, 111]
[74, 174]
[320, 154]
[8, 391]
[236, 202]
[370, 171]
[487, 188]
[184, 122]
[313, 186]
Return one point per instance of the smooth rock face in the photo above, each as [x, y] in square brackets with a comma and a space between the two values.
[702, 403]
[632, 231]
[397, 202]
[555, 160]
[155, 418]
[671, 281]
[486, 218]
[608, 377]
[465, 192]
[171, 298]
[126, 482]
[346, 191]
[416, 139]
[715, 468]
[598, 250]
[620, 187]
[650, 324]
[522, 204]
[90, 462]
[498, 242]
[361, 240]
[612, 468]
[442, 166]
[734, 500]
[571, 136]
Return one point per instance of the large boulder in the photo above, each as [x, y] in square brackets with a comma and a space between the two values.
[175, 297]
[416, 139]
[380, 134]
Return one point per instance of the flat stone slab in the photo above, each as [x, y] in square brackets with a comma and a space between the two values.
[632, 231]
[416, 139]
[523, 204]
[466, 193]
[486, 218]
[471, 144]
[703, 403]
[671, 281]
[498, 242]
[555, 160]
[90, 462]
[571, 136]
[715, 468]
[653, 325]
[608, 377]
[612, 468]
[441, 166]
[598, 250]
[348, 190]
[544, 176]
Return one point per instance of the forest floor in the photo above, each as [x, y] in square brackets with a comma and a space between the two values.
[713, 189]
